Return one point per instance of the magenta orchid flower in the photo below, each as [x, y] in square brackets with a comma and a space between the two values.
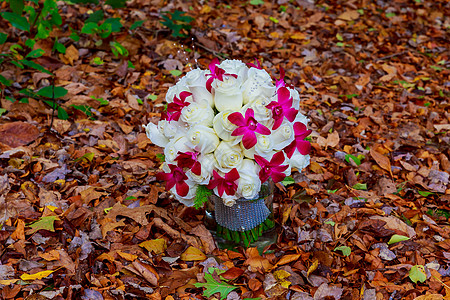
[257, 66]
[216, 73]
[282, 108]
[189, 160]
[247, 127]
[304, 147]
[280, 82]
[174, 108]
[176, 177]
[272, 168]
[225, 184]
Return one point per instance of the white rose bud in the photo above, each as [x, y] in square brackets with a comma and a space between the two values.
[249, 183]
[177, 144]
[229, 200]
[237, 67]
[228, 94]
[258, 85]
[203, 139]
[283, 135]
[299, 161]
[207, 162]
[176, 89]
[196, 82]
[155, 135]
[264, 147]
[223, 127]
[196, 113]
[228, 156]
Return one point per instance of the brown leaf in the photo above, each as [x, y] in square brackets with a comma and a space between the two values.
[192, 253]
[16, 134]
[381, 160]
[232, 273]
[255, 261]
[349, 15]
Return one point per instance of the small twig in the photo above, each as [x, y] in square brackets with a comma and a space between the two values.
[218, 54]
[53, 101]
[392, 55]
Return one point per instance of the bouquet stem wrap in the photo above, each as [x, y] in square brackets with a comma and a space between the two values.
[242, 216]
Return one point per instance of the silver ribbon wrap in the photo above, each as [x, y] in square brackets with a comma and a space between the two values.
[243, 215]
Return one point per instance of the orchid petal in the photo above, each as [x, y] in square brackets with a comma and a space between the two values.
[240, 131]
[249, 139]
[261, 161]
[277, 177]
[277, 159]
[263, 176]
[249, 113]
[304, 147]
[209, 84]
[261, 129]
[290, 114]
[237, 119]
[182, 188]
[213, 63]
[290, 149]
[283, 95]
[197, 168]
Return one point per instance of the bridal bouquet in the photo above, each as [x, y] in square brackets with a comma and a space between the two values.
[228, 130]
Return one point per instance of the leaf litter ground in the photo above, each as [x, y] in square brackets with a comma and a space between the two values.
[82, 212]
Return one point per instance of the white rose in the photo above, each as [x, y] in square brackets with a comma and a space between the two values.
[203, 139]
[295, 98]
[258, 85]
[262, 114]
[229, 200]
[283, 135]
[177, 144]
[170, 129]
[196, 113]
[187, 200]
[155, 135]
[196, 82]
[228, 156]
[301, 118]
[299, 161]
[207, 162]
[249, 183]
[176, 89]
[237, 67]
[264, 147]
[223, 127]
[228, 94]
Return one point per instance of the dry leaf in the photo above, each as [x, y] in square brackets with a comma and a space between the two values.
[16, 134]
[157, 246]
[38, 275]
[381, 160]
[193, 253]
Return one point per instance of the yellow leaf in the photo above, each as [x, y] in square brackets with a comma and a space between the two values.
[430, 297]
[127, 256]
[313, 267]
[287, 259]
[105, 256]
[8, 281]
[158, 245]
[281, 276]
[193, 253]
[38, 275]
[298, 36]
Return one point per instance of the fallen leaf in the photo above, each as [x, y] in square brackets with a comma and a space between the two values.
[127, 256]
[44, 223]
[349, 15]
[192, 253]
[50, 255]
[16, 134]
[38, 275]
[157, 246]
[381, 160]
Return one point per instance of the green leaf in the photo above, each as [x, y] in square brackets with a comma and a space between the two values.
[152, 97]
[360, 186]
[275, 20]
[115, 24]
[256, 2]
[83, 108]
[330, 222]
[45, 223]
[2, 111]
[390, 15]
[212, 287]
[397, 238]
[3, 37]
[5, 81]
[36, 66]
[35, 53]
[17, 20]
[287, 181]
[425, 193]
[344, 249]
[30, 43]
[417, 273]
[354, 158]
[59, 47]
[62, 114]
[161, 157]
[116, 3]
[89, 28]
[340, 44]
[137, 24]
[101, 100]
[201, 196]
[16, 6]
[175, 73]
[88, 157]
[97, 61]
[332, 191]
[339, 37]
[49, 93]
[95, 17]
[117, 49]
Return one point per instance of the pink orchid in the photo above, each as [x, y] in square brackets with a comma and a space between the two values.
[174, 108]
[189, 160]
[216, 73]
[282, 108]
[280, 82]
[273, 168]
[177, 177]
[247, 127]
[304, 147]
[225, 184]
[258, 66]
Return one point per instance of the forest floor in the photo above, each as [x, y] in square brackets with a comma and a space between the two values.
[83, 216]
